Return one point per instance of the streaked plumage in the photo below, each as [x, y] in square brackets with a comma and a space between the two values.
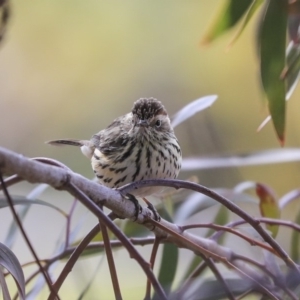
[139, 145]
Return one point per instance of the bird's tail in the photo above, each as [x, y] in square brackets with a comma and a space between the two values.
[86, 147]
[78, 143]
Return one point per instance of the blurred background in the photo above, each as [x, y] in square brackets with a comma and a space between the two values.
[68, 68]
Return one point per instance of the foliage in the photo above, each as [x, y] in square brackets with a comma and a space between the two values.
[215, 267]
[202, 278]
[279, 68]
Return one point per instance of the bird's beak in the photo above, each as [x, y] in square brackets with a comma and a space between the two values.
[142, 123]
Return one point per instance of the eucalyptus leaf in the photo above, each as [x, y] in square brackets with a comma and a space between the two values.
[20, 200]
[292, 72]
[3, 286]
[11, 263]
[212, 289]
[168, 266]
[4, 17]
[197, 202]
[271, 156]
[193, 108]
[272, 39]
[250, 13]
[22, 212]
[295, 241]
[288, 198]
[268, 206]
[230, 14]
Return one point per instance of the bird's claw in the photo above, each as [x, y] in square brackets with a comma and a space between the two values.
[137, 206]
[153, 209]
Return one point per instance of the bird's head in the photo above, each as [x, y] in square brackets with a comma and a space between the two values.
[150, 117]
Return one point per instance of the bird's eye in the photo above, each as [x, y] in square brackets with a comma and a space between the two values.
[158, 123]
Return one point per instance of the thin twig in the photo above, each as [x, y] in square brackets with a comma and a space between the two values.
[11, 181]
[224, 201]
[207, 262]
[264, 269]
[251, 241]
[69, 223]
[152, 261]
[187, 283]
[4, 288]
[58, 178]
[270, 221]
[110, 260]
[219, 277]
[91, 246]
[200, 249]
[72, 260]
[29, 245]
[119, 234]
[94, 246]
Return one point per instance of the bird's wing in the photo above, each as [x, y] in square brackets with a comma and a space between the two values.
[115, 137]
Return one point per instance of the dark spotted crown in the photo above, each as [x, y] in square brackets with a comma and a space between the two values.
[146, 108]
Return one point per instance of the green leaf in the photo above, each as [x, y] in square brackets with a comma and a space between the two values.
[272, 40]
[169, 261]
[268, 206]
[295, 242]
[168, 266]
[221, 218]
[132, 230]
[250, 13]
[4, 17]
[291, 73]
[194, 263]
[231, 12]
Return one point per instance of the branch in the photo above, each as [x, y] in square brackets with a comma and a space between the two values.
[86, 190]
[227, 203]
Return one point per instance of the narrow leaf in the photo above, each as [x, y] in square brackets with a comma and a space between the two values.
[231, 12]
[250, 13]
[193, 108]
[169, 261]
[168, 266]
[295, 241]
[4, 17]
[272, 39]
[291, 73]
[3, 285]
[268, 206]
[272, 156]
[288, 198]
[22, 212]
[20, 200]
[197, 202]
[10, 262]
[192, 265]
[92, 279]
[264, 123]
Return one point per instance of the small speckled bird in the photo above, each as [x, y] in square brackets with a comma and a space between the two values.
[139, 145]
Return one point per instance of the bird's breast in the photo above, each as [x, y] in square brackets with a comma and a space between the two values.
[139, 160]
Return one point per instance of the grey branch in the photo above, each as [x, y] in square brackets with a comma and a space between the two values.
[59, 178]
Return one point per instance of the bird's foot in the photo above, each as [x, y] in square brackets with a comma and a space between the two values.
[153, 209]
[137, 206]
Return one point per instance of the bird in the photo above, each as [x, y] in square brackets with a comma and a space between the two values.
[139, 145]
